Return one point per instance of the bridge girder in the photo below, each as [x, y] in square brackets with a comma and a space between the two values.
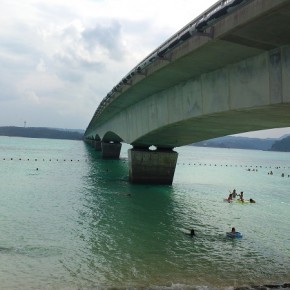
[258, 27]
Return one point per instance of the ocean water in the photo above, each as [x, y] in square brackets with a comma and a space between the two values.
[70, 220]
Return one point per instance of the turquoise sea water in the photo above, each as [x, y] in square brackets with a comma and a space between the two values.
[76, 222]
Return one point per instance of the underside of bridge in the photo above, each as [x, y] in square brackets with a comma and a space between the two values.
[257, 28]
[217, 125]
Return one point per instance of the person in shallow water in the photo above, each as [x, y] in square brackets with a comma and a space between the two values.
[234, 194]
[233, 233]
[191, 233]
[252, 200]
[230, 198]
[241, 196]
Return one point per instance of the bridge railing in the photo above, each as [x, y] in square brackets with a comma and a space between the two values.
[195, 27]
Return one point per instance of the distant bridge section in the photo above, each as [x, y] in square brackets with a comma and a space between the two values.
[226, 72]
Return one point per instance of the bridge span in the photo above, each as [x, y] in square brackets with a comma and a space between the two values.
[226, 72]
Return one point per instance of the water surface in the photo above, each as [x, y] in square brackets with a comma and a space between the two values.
[70, 220]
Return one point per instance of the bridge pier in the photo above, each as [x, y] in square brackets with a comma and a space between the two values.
[97, 145]
[111, 150]
[152, 167]
[89, 141]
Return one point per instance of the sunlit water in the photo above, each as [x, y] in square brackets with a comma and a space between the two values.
[76, 222]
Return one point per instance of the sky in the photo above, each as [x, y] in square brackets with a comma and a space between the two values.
[60, 58]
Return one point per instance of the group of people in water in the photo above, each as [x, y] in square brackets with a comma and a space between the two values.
[233, 195]
[282, 175]
[231, 234]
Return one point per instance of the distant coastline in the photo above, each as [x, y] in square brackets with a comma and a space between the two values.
[268, 144]
[39, 132]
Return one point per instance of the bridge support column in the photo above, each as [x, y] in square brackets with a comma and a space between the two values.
[90, 142]
[97, 145]
[111, 150]
[152, 167]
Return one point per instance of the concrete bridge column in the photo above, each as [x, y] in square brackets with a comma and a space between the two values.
[90, 142]
[152, 167]
[97, 145]
[111, 150]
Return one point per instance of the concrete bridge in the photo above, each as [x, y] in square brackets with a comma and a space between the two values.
[226, 72]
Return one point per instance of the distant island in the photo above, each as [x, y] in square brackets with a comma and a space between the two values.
[38, 132]
[268, 144]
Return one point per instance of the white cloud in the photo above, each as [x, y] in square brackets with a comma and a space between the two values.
[42, 83]
[41, 67]
[59, 58]
[31, 96]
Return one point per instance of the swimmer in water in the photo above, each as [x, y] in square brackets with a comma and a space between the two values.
[230, 198]
[234, 194]
[191, 233]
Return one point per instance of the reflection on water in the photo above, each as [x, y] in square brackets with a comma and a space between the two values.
[129, 227]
